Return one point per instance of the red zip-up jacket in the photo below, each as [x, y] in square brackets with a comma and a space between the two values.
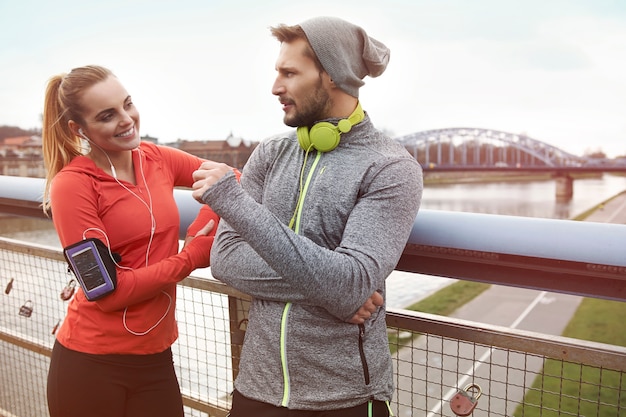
[86, 202]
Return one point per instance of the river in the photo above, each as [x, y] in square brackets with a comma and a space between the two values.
[528, 199]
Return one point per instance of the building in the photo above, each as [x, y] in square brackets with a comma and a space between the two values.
[21, 146]
[22, 156]
[233, 151]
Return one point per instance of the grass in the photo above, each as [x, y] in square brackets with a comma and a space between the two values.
[585, 214]
[584, 390]
[443, 303]
[599, 321]
[448, 299]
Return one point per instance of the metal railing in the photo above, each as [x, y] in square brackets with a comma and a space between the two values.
[521, 373]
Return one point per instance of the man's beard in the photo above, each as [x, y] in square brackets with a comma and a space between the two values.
[312, 109]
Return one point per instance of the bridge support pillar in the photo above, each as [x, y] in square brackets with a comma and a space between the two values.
[564, 187]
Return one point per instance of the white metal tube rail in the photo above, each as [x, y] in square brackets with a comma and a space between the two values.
[581, 258]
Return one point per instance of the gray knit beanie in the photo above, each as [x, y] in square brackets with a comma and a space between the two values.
[345, 51]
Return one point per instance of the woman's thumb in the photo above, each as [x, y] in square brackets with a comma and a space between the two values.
[207, 228]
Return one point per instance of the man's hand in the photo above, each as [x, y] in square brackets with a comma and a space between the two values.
[367, 309]
[208, 174]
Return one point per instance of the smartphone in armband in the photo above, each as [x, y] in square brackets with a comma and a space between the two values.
[91, 263]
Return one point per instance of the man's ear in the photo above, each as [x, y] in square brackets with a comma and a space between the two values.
[328, 80]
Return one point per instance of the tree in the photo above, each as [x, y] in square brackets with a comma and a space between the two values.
[14, 131]
[595, 154]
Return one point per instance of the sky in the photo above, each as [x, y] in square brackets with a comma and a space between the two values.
[554, 70]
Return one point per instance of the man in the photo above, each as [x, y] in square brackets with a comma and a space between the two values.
[319, 220]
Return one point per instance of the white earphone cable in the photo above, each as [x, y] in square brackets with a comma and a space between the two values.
[149, 206]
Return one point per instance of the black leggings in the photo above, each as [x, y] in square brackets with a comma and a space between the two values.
[245, 407]
[81, 384]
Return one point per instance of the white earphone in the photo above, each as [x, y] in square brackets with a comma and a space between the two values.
[82, 134]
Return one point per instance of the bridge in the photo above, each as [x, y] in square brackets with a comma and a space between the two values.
[474, 149]
[484, 147]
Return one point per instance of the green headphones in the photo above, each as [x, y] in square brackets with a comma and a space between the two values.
[324, 136]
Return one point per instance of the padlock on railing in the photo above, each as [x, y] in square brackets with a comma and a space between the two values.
[68, 291]
[464, 402]
[27, 309]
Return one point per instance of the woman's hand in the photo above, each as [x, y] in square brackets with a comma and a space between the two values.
[204, 231]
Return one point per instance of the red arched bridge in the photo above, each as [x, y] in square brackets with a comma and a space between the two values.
[484, 147]
[475, 149]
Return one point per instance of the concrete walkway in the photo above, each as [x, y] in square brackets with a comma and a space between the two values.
[612, 212]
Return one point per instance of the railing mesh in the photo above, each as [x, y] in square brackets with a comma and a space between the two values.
[430, 364]
[431, 369]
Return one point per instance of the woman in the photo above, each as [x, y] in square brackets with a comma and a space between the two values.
[112, 357]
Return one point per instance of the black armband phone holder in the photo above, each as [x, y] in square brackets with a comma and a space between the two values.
[91, 262]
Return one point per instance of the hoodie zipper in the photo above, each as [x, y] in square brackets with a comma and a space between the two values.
[295, 225]
[366, 371]
[283, 355]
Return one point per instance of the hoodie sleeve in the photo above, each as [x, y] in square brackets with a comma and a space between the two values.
[257, 254]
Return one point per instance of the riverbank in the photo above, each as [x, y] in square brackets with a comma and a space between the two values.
[608, 211]
[440, 178]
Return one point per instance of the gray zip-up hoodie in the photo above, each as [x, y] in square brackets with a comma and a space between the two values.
[357, 205]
